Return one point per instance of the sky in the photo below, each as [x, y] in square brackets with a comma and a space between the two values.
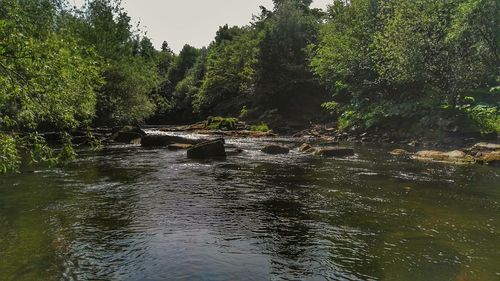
[191, 22]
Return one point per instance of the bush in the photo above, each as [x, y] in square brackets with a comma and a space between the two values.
[262, 127]
[9, 155]
[221, 123]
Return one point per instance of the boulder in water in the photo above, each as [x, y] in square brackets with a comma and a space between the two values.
[335, 152]
[484, 146]
[399, 152]
[208, 149]
[456, 156]
[179, 146]
[275, 149]
[128, 134]
[489, 158]
[485, 153]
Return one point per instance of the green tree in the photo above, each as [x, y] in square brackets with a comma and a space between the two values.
[389, 63]
[228, 83]
[47, 79]
[130, 69]
[283, 81]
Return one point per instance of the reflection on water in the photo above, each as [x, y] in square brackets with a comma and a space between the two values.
[128, 213]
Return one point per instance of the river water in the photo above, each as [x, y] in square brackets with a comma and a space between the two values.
[129, 213]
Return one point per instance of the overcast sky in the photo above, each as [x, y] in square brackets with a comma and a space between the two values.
[192, 21]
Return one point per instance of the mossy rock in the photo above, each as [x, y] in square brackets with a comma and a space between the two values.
[221, 123]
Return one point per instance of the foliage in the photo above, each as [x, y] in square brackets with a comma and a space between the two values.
[243, 112]
[483, 113]
[130, 69]
[48, 80]
[221, 123]
[262, 127]
[9, 155]
[228, 82]
[283, 80]
[391, 61]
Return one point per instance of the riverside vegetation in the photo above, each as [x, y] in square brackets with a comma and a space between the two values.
[405, 67]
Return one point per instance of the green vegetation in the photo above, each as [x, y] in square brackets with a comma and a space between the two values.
[369, 65]
[221, 123]
[411, 63]
[262, 127]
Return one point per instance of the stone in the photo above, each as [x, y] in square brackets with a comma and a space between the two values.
[490, 158]
[456, 156]
[484, 146]
[335, 152]
[275, 149]
[399, 152]
[128, 134]
[179, 146]
[208, 149]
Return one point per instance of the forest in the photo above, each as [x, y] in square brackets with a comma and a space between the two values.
[406, 66]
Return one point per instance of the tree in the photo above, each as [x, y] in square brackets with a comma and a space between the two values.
[228, 83]
[390, 62]
[130, 63]
[47, 80]
[283, 79]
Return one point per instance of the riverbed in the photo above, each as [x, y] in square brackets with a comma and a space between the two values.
[130, 213]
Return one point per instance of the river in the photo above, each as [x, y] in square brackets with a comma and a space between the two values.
[130, 213]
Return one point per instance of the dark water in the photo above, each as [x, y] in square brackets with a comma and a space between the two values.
[128, 213]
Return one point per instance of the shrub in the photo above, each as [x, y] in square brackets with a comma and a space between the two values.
[262, 127]
[221, 123]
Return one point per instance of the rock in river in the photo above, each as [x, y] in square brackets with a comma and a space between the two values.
[399, 152]
[208, 149]
[486, 153]
[456, 156]
[275, 149]
[335, 152]
[128, 134]
[179, 146]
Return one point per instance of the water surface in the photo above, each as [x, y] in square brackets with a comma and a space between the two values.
[129, 213]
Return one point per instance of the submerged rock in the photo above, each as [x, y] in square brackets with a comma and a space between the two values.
[128, 134]
[399, 152]
[208, 149]
[335, 152]
[275, 149]
[456, 156]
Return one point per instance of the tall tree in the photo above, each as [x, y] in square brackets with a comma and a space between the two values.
[283, 79]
